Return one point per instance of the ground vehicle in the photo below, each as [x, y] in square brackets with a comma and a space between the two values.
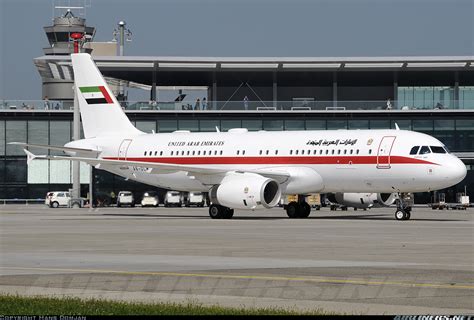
[125, 198]
[150, 198]
[314, 200]
[54, 199]
[173, 199]
[195, 199]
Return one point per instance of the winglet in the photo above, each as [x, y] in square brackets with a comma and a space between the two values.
[396, 126]
[29, 156]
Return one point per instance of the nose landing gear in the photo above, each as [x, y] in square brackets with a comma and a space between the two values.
[404, 204]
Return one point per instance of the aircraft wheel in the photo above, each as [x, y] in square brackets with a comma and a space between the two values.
[408, 215]
[228, 213]
[400, 215]
[217, 212]
[304, 210]
[292, 210]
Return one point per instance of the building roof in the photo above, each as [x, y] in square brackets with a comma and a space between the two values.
[114, 66]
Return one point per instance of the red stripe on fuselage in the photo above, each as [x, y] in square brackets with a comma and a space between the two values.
[272, 160]
[106, 94]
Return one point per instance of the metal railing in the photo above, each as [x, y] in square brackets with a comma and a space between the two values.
[297, 105]
[19, 201]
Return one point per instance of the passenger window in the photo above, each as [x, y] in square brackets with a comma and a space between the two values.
[414, 150]
[266, 152]
[436, 149]
[194, 152]
[182, 153]
[260, 152]
[370, 151]
[425, 150]
[171, 152]
[296, 151]
[345, 151]
[327, 151]
[156, 153]
[357, 151]
[291, 152]
[199, 152]
[221, 152]
[320, 151]
[161, 153]
[144, 153]
[351, 151]
[238, 151]
[332, 151]
[243, 152]
[339, 151]
[187, 153]
[215, 152]
[276, 151]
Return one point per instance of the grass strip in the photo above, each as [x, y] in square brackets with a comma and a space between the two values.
[37, 305]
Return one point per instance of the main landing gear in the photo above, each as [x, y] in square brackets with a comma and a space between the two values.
[220, 212]
[300, 209]
[404, 203]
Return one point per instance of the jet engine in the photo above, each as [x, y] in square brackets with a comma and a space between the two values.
[246, 191]
[363, 200]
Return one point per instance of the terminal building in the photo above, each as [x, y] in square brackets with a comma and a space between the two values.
[434, 95]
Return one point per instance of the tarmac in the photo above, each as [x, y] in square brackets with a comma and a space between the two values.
[353, 262]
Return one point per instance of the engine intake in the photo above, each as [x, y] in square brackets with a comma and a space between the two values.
[246, 191]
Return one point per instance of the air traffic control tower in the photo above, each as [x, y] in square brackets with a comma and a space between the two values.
[59, 37]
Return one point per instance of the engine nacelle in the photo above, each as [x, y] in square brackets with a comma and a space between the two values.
[363, 200]
[246, 191]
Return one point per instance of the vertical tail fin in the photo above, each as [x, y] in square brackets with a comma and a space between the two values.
[100, 111]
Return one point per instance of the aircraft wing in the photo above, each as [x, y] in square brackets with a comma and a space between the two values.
[280, 176]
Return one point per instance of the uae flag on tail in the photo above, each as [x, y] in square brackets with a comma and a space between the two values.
[96, 95]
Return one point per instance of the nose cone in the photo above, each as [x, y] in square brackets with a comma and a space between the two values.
[456, 171]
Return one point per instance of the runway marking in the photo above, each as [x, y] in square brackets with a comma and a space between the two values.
[256, 277]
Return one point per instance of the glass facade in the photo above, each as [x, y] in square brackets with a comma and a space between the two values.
[17, 180]
[426, 97]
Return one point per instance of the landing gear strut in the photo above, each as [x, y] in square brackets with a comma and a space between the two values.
[403, 207]
[220, 212]
[300, 209]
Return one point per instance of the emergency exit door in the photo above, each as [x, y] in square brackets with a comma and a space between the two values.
[122, 153]
[384, 151]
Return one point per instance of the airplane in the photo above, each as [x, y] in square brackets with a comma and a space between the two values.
[252, 170]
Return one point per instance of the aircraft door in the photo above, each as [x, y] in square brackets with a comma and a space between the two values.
[384, 151]
[122, 153]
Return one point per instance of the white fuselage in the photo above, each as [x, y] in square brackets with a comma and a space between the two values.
[346, 160]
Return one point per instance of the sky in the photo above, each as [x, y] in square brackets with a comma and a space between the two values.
[274, 28]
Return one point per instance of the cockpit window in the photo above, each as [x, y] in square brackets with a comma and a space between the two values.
[446, 149]
[436, 149]
[414, 150]
[425, 150]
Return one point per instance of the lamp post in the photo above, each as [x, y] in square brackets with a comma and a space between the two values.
[77, 38]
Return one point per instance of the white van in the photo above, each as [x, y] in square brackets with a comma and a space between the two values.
[173, 198]
[55, 199]
[125, 198]
[195, 199]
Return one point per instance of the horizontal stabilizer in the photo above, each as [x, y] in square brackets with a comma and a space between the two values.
[85, 152]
